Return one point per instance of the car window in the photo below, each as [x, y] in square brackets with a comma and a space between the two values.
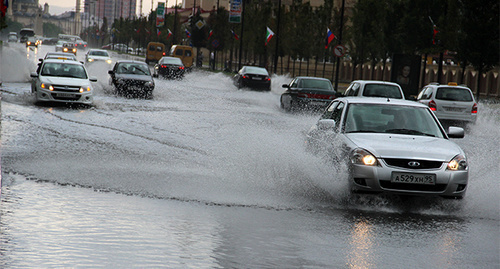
[99, 53]
[382, 90]
[177, 61]
[159, 48]
[376, 118]
[152, 47]
[294, 83]
[179, 52]
[454, 94]
[316, 84]
[329, 110]
[132, 69]
[256, 70]
[352, 90]
[426, 93]
[64, 70]
[187, 53]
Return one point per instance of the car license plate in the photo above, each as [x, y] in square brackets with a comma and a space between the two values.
[67, 95]
[410, 178]
[256, 78]
[454, 109]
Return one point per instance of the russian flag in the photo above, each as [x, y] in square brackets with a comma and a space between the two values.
[188, 34]
[235, 35]
[210, 34]
[169, 34]
[329, 37]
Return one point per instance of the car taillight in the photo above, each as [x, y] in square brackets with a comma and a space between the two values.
[267, 79]
[303, 95]
[163, 66]
[474, 109]
[181, 67]
[245, 77]
[164, 54]
[432, 105]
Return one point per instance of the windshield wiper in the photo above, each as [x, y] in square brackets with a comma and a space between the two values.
[363, 131]
[407, 131]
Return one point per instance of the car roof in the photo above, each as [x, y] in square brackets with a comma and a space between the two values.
[62, 61]
[380, 100]
[131, 62]
[98, 50]
[375, 82]
[447, 86]
[306, 77]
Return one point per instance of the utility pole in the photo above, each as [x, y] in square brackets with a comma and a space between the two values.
[277, 38]
[241, 33]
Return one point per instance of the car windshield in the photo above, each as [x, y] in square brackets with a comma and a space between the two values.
[255, 70]
[454, 94]
[381, 90]
[64, 70]
[315, 84]
[177, 61]
[99, 53]
[395, 119]
[133, 68]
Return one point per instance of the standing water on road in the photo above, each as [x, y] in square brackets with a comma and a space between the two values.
[204, 175]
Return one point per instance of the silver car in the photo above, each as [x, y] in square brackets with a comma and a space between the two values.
[97, 55]
[450, 102]
[393, 146]
[62, 81]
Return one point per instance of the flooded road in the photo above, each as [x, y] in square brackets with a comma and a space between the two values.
[207, 176]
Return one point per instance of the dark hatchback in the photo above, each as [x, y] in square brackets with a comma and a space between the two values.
[253, 77]
[170, 67]
[132, 79]
[307, 93]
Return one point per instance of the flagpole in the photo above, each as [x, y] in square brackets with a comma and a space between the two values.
[241, 33]
[340, 42]
[277, 39]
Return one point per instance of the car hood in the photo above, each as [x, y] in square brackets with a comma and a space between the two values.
[66, 81]
[134, 77]
[405, 146]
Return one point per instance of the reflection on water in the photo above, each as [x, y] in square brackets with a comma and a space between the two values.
[361, 245]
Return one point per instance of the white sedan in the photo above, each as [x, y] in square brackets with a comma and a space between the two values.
[97, 55]
[393, 146]
[62, 81]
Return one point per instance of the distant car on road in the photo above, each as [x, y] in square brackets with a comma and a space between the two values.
[132, 78]
[12, 37]
[374, 88]
[170, 67]
[392, 146]
[62, 81]
[451, 103]
[97, 55]
[307, 93]
[32, 41]
[252, 77]
[60, 55]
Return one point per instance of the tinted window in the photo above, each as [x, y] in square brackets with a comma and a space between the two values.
[132, 68]
[454, 94]
[315, 84]
[179, 52]
[381, 90]
[187, 53]
[64, 70]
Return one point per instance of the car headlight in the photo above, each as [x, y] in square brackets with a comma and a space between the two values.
[83, 89]
[46, 86]
[363, 157]
[149, 84]
[108, 61]
[458, 163]
[90, 59]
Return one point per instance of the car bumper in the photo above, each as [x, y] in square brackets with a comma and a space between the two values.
[169, 73]
[469, 118]
[256, 84]
[43, 95]
[313, 103]
[378, 179]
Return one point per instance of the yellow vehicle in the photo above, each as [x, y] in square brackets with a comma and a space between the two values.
[183, 52]
[155, 50]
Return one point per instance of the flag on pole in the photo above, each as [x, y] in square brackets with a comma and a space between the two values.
[235, 35]
[188, 34]
[210, 34]
[169, 34]
[435, 31]
[269, 35]
[329, 37]
[158, 32]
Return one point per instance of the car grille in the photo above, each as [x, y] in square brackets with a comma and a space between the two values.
[70, 97]
[405, 163]
[412, 187]
[64, 88]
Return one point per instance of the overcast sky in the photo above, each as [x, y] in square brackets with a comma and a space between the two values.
[60, 6]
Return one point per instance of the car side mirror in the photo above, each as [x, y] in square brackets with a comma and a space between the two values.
[456, 132]
[155, 75]
[40, 59]
[93, 79]
[326, 124]
[284, 85]
[111, 72]
[33, 75]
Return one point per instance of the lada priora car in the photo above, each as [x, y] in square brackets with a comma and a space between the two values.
[450, 103]
[307, 93]
[392, 146]
[374, 88]
[132, 78]
[62, 81]
[97, 55]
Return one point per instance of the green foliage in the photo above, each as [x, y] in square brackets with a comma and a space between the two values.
[51, 30]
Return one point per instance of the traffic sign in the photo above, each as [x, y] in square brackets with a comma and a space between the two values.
[339, 50]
